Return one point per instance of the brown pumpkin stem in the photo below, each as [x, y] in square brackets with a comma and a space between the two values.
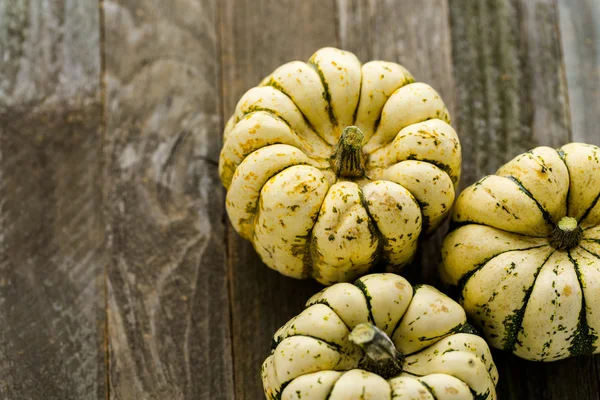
[566, 234]
[381, 356]
[347, 159]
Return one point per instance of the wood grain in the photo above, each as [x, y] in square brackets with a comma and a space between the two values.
[417, 35]
[512, 97]
[188, 308]
[168, 308]
[580, 34]
[257, 37]
[52, 247]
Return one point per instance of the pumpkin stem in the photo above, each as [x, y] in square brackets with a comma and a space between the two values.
[381, 356]
[566, 234]
[347, 159]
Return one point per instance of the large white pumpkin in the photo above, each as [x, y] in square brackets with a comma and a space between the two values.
[382, 339]
[332, 166]
[526, 254]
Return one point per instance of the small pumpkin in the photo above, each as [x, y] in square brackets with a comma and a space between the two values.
[332, 166]
[526, 254]
[379, 338]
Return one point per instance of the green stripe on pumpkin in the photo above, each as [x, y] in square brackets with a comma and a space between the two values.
[429, 389]
[514, 322]
[523, 189]
[326, 92]
[359, 284]
[583, 339]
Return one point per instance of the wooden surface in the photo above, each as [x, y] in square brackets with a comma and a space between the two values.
[168, 307]
[120, 275]
[580, 32]
[52, 242]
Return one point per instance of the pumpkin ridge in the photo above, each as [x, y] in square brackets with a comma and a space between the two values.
[275, 113]
[325, 303]
[412, 374]
[363, 288]
[589, 251]
[456, 329]
[540, 161]
[590, 208]
[414, 289]
[441, 114]
[255, 108]
[379, 254]
[444, 167]
[522, 188]
[326, 93]
[277, 395]
[428, 388]
[502, 206]
[424, 218]
[307, 258]
[514, 322]
[228, 167]
[256, 208]
[331, 391]
[333, 346]
[462, 282]
[355, 113]
[583, 339]
[562, 156]
[275, 85]
[335, 385]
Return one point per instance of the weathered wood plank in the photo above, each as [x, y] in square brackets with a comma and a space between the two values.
[512, 97]
[168, 308]
[52, 247]
[510, 81]
[580, 34]
[257, 37]
[415, 34]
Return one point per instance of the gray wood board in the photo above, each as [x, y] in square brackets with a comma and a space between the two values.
[168, 307]
[580, 34]
[52, 247]
[512, 97]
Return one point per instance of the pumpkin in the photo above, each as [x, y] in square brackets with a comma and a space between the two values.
[332, 167]
[525, 256]
[379, 338]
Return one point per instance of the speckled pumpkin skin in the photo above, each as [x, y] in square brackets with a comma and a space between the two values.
[283, 195]
[529, 298]
[312, 358]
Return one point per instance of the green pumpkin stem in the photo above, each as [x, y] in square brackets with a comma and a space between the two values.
[347, 159]
[381, 356]
[566, 234]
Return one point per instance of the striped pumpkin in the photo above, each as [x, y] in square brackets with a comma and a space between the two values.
[379, 338]
[526, 257]
[332, 166]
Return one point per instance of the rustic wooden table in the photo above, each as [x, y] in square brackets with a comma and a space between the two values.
[120, 276]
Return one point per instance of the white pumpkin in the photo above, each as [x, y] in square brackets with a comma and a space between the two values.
[332, 166]
[379, 338]
[526, 254]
